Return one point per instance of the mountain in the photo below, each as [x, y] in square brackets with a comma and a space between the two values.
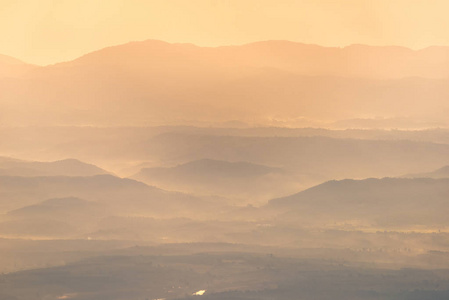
[207, 171]
[378, 203]
[66, 167]
[13, 68]
[316, 156]
[58, 208]
[211, 176]
[310, 156]
[61, 217]
[36, 228]
[440, 173]
[359, 61]
[147, 147]
[125, 196]
[8, 60]
[154, 82]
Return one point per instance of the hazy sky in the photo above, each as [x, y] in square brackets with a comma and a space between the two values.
[48, 31]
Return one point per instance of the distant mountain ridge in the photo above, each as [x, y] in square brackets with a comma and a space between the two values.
[355, 60]
[11, 67]
[125, 195]
[67, 167]
[154, 82]
[439, 173]
[8, 60]
[212, 168]
[217, 177]
[77, 210]
[384, 202]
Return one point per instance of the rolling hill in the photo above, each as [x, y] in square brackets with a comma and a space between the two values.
[210, 176]
[59, 208]
[331, 158]
[126, 196]
[66, 167]
[376, 203]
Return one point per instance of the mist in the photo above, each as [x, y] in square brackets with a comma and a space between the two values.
[267, 170]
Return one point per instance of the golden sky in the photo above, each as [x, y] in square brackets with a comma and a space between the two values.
[48, 31]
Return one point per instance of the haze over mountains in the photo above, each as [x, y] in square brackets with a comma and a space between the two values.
[153, 82]
[272, 170]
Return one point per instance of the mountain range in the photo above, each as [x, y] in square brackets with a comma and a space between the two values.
[153, 82]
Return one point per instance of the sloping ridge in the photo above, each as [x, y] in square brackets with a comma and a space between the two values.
[380, 202]
[304, 59]
[372, 192]
[439, 173]
[66, 167]
[212, 167]
[66, 204]
[8, 60]
[11, 67]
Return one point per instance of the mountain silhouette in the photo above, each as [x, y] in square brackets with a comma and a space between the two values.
[153, 82]
[386, 202]
[11, 67]
[439, 173]
[57, 208]
[66, 167]
[359, 61]
[210, 168]
[122, 195]
[211, 176]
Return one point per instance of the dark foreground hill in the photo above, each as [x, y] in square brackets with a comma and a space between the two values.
[225, 275]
